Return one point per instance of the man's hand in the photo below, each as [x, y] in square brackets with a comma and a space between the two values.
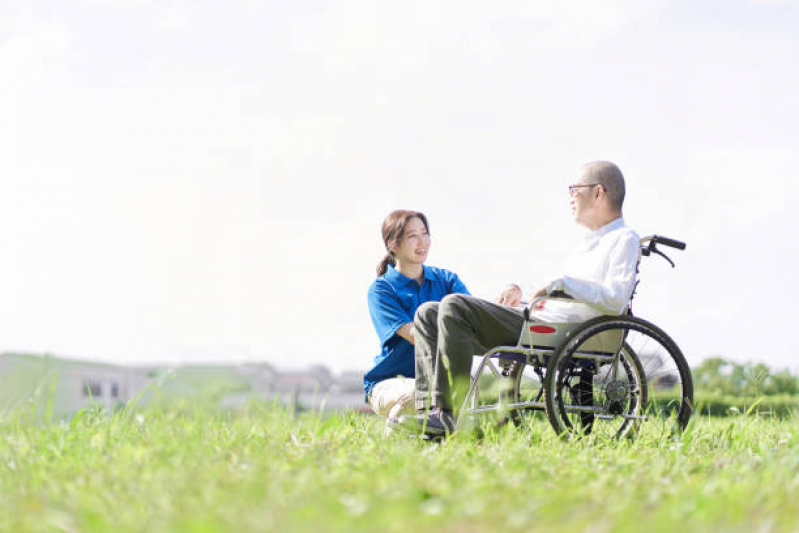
[541, 291]
[511, 296]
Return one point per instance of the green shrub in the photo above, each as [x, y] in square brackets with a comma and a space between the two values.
[753, 380]
[780, 406]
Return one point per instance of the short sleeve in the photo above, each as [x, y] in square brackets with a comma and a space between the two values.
[388, 315]
[455, 285]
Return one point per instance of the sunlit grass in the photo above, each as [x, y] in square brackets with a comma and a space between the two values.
[196, 469]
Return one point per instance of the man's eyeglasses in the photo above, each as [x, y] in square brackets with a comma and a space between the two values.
[573, 188]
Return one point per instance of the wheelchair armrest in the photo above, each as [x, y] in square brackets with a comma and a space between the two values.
[559, 295]
[554, 295]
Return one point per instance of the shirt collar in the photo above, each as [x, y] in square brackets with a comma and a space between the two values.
[607, 228]
[395, 277]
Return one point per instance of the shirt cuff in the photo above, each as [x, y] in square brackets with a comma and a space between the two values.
[555, 285]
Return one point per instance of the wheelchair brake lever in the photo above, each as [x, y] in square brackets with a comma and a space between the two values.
[664, 256]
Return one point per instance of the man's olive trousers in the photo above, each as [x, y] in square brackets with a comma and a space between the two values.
[448, 334]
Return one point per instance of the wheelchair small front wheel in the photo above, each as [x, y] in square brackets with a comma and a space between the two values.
[616, 375]
[524, 383]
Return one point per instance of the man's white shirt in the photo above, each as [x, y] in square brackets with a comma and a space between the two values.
[601, 273]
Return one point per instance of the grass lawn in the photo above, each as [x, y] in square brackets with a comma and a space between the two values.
[195, 469]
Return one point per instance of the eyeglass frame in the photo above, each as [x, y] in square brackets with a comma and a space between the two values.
[572, 188]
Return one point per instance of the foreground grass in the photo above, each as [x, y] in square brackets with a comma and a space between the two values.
[262, 470]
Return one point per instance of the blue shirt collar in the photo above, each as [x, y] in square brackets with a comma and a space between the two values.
[395, 277]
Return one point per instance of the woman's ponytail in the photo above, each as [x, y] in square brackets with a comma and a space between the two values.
[382, 266]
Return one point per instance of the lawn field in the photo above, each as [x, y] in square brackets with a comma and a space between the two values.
[262, 469]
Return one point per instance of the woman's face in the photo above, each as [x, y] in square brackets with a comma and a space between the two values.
[414, 244]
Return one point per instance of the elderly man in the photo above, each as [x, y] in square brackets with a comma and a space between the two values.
[600, 276]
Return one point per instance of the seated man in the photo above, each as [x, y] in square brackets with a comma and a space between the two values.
[600, 275]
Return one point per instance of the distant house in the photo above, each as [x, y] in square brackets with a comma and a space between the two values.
[317, 388]
[108, 385]
[67, 385]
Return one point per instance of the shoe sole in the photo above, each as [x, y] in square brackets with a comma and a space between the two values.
[415, 428]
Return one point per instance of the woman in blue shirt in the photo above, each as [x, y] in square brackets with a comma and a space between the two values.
[402, 285]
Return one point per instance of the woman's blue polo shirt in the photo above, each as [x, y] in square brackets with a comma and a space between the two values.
[393, 300]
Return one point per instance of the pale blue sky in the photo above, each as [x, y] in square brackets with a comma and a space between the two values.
[206, 181]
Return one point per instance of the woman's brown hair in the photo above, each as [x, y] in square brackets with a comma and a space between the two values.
[393, 229]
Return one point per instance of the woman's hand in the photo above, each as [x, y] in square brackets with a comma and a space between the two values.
[511, 296]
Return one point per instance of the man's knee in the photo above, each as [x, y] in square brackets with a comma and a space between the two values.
[454, 304]
[427, 313]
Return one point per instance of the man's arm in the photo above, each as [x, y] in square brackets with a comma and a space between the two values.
[513, 295]
[612, 294]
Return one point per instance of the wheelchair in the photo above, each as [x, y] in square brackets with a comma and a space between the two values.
[609, 376]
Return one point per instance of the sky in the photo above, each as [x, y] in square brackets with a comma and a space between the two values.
[202, 181]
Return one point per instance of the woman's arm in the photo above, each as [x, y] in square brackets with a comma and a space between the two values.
[406, 332]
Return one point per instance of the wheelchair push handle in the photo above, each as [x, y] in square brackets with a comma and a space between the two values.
[665, 241]
[649, 246]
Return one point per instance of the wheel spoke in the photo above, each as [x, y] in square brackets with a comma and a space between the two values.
[649, 378]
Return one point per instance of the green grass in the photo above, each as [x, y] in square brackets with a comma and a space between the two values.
[187, 469]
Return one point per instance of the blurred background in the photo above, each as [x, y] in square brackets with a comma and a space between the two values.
[187, 182]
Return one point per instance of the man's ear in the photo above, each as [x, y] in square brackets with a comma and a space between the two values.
[600, 191]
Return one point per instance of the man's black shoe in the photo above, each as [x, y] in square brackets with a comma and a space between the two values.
[436, 423]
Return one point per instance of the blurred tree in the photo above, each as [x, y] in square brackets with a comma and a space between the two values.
[723, 376]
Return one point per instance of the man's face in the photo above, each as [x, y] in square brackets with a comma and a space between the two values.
[583, 200]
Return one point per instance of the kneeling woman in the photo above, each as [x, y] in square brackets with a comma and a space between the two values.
[403, 284]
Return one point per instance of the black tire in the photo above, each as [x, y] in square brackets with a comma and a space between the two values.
[652, 382]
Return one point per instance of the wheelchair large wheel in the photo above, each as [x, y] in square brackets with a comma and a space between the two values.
[616, 375]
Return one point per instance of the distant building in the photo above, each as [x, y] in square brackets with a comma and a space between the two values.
[66, 385]
[73, 385]
[316, 388]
